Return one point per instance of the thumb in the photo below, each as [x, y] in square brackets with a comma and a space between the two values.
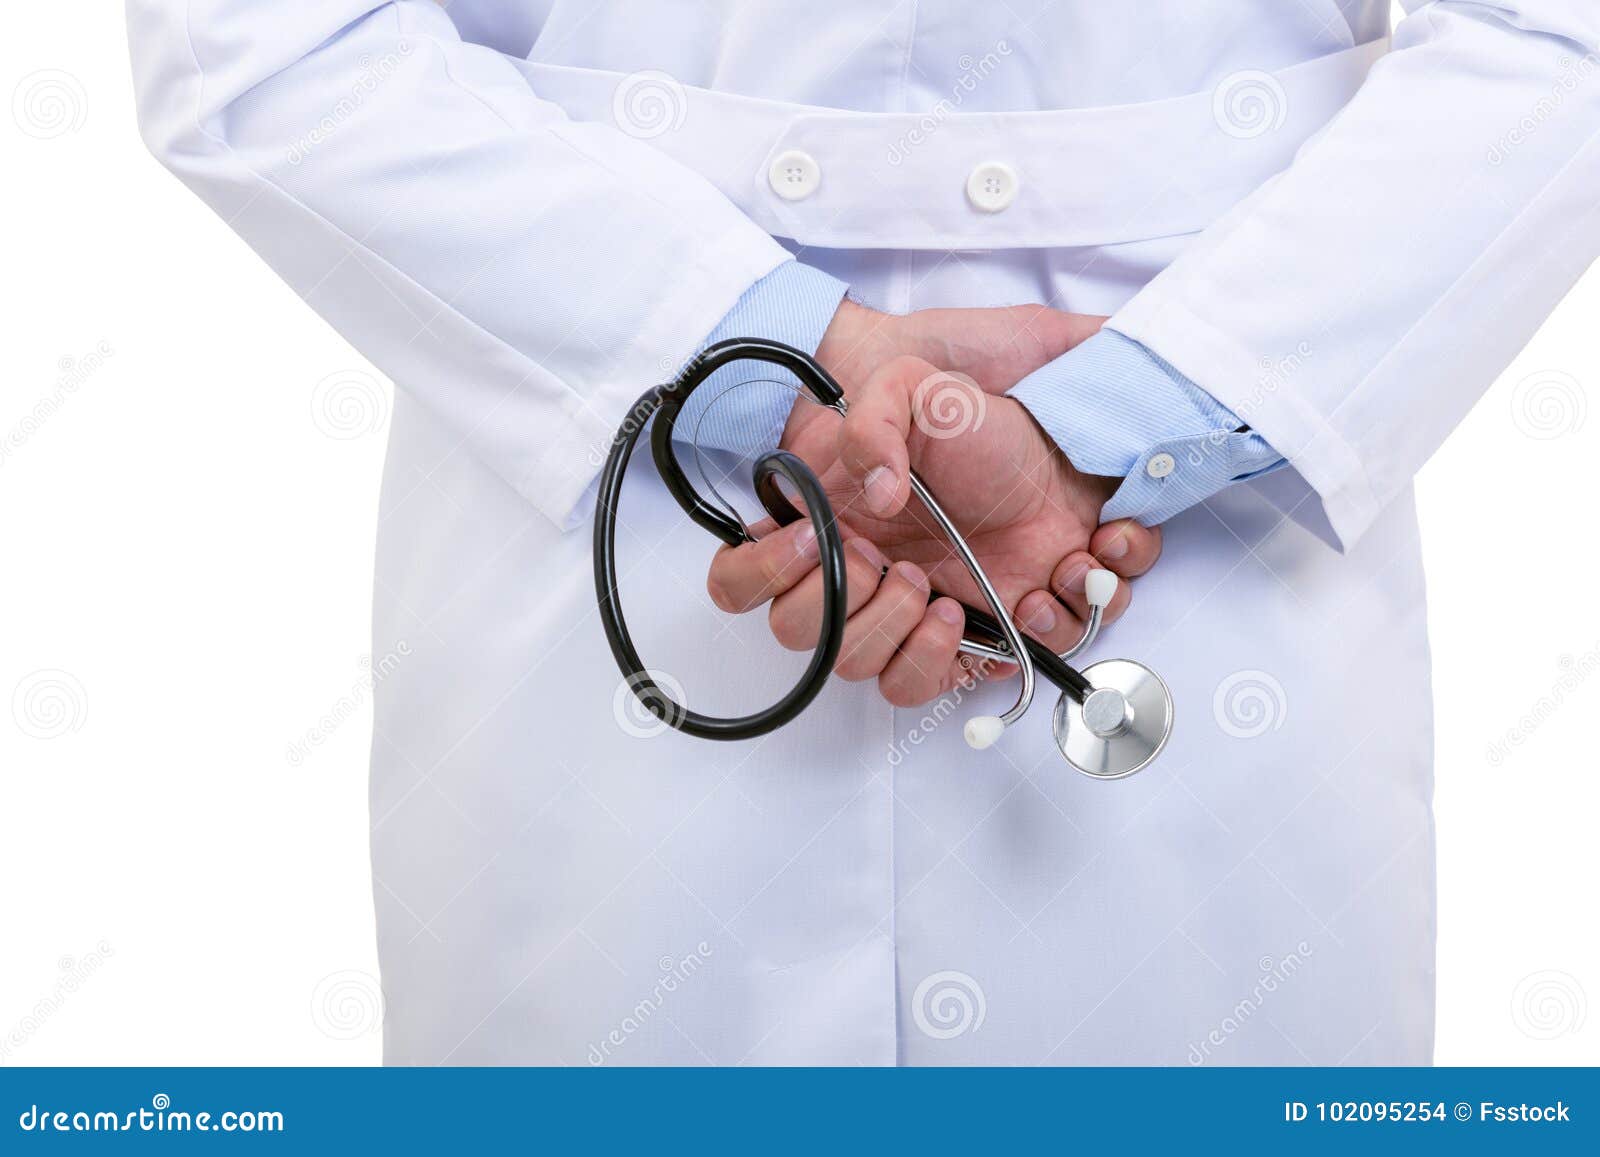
[872, 439]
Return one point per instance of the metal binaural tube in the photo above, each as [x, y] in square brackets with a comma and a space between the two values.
[1090, 630]
[1008, 627]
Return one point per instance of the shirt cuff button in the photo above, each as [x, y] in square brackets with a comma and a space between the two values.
[1160, 465]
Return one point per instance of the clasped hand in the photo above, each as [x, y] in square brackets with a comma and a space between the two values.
[927, 390]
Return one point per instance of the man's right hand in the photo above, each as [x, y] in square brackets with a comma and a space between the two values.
[1030, 516]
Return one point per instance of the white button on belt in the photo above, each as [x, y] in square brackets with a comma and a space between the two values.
[1160, 465]
[992, 186]
[794, 175]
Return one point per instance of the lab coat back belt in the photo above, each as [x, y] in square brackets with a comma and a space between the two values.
[954, 180]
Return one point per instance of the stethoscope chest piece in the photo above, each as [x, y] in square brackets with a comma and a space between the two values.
[1120, 726]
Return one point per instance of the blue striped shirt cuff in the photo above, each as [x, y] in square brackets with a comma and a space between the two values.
[734, 409]
[1118, 410]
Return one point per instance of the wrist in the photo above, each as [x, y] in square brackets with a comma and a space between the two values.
[856, 340]
[1095, 488]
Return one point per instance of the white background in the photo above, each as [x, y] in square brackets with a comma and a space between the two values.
[185, 574]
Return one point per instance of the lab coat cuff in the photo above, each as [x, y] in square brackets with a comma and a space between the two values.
[742, 408]
[1117, 410]
[1258, 387]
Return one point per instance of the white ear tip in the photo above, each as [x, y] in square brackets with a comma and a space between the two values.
[1099, 587]
[983, 731]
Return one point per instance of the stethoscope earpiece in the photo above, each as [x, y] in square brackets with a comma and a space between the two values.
[1099, 588]
[983, 731]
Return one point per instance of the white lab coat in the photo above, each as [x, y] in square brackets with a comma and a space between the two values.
[525, 212]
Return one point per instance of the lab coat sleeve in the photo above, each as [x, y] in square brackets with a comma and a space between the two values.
[1355, 307]
[523, 275]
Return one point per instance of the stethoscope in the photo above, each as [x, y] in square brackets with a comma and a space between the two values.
[1112, 718]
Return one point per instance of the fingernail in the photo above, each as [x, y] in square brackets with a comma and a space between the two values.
[1116, 548]
[1075, 578]
[881, 490]
[950, 611]
[805, 543]
[913, 574]
[1041, 620]
[865, 548]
